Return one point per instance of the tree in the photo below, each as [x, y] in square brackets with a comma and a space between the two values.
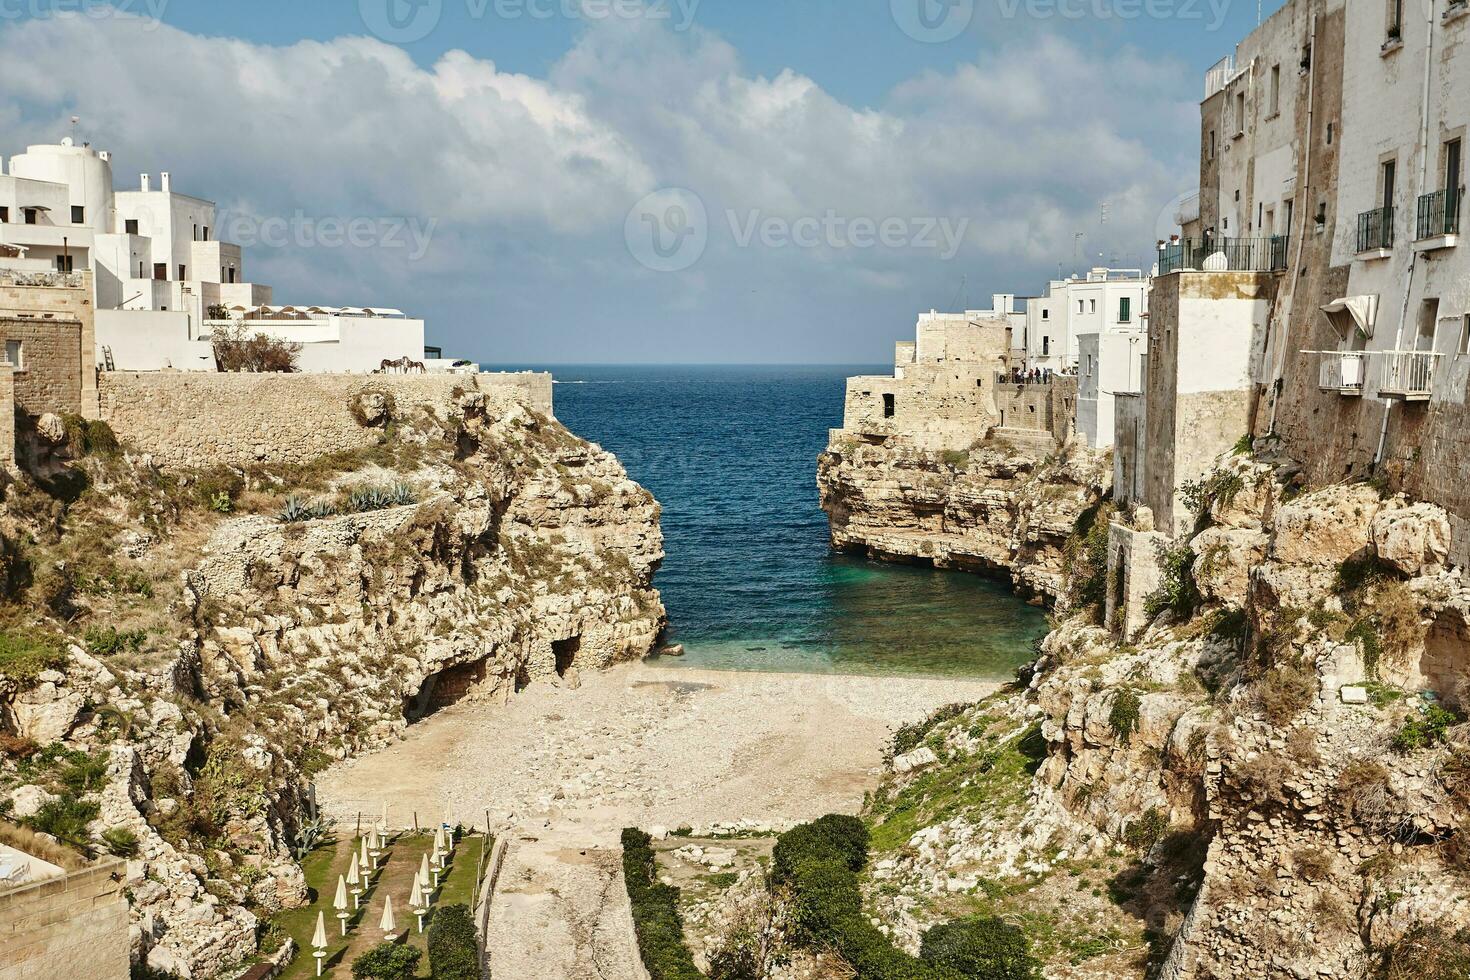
[236, 349]
[387, 961]
[453, 950]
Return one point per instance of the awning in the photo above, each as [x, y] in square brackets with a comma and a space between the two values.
[1353, 311]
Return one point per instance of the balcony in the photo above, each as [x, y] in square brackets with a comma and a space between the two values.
[1225, 255]
[1375, 233]
[1438, 224]
[1343, 372]
[1407, 374]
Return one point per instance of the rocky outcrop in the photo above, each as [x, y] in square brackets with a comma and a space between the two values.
[507, 553]
[1256, 788]
[996, 508]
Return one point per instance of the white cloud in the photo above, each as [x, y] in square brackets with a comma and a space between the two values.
[530, 179]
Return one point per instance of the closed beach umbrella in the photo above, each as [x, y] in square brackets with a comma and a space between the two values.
[424, 870]
[319, 941]
[364, 855]
[340, 903]
[439, 838]
[416, 901]
[354, 880]
[388, 924]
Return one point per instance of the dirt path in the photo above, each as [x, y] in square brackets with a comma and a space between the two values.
[563, 771]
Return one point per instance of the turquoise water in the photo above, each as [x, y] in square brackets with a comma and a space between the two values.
[750, 581]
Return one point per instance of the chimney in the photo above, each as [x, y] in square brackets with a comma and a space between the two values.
[163, 182]
[146, 183]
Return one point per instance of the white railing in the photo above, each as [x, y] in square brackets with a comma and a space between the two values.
[1407, 373]
[1188, 210]
[1221, 74]
[1343, 372]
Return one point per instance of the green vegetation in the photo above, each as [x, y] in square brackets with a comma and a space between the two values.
[90, 437]
[911, 736]
[1220, 487]
[1244, 446]
[1123, 716]
[387, 961]
[25, 653]
[656, 919]
[66, 820]
[1427, 953]
[1285, 691]
[1424, 730]
[1085, 557]
[104, 641]
[453, 952]
[980, 947]
[819, 863]
[121, 841]
[956, 459]
[1177, 591]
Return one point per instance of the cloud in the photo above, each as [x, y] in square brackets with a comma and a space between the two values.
[529, 180]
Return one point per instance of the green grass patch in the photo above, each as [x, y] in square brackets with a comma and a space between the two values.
[25, 653]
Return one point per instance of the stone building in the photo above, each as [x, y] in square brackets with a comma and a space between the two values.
[47, 327]
[942, 394]
[57, 924]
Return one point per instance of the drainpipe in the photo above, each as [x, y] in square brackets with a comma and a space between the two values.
[1398, 343]
[1278, 370]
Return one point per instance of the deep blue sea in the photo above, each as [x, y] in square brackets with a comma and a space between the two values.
[750, 581]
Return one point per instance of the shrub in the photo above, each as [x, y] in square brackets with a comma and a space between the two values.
[365, 499]
[956, 459]
[1424, 730]
[104, 641]
[656, 919]
[1428, 953]
[1177, 591]
[1285, 692]
[980, 947]
[387, 961]
[1085, 558]
[23, 655]
[835, 837]
[121, 841]
[1455, 775]
[911, 736]
[1363, 790]
[84, 773]
[1312, 863]
[236, 349]
[1142, 834]
[89, 437]
[65, 819]
[1123, 716]
[453, 950]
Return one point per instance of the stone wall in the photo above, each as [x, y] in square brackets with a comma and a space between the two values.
[49, 377]
[1133, 576]
[70, 297]
[196, 419]
[76, 926]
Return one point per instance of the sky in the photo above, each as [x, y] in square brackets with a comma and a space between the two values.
[643, 181]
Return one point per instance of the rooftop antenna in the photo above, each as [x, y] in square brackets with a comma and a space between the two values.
[74, 121]
[962, 294]
[1077, 247]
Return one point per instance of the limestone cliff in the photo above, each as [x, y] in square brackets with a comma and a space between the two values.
[994, 508]
[196, 643]
[1253, 787]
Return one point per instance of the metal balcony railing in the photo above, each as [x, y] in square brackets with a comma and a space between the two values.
[1022, 378]
[1343, 372]
[1234, 254]
[1375, 230]
[1439, 213]
[1407, 373]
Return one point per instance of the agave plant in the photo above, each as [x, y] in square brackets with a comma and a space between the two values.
[365, 499]
[294, 512]
[320, 509]
[311, 834]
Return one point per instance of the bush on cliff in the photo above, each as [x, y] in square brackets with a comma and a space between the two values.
[819, 864]
[453, 950]
[655, 913]
[387, 961]
[1085, 558]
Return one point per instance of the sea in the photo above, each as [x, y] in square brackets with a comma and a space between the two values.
[750, 580]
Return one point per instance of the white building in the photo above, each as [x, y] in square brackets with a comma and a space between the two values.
[1095, 327]
[163, 279]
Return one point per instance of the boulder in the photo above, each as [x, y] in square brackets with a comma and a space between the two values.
[47, 712]
[917, 759]
[1327, 527]
[1415, 539]
[1225, 557]
[50, 428]
[26, 800]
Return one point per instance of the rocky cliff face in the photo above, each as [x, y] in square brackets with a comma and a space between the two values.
[994, 508]
[1256, 786]
[211, 639]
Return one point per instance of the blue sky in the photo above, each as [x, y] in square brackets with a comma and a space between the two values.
[645, 180]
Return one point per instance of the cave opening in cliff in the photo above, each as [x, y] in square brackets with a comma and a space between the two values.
[565, 653]
[442, 689]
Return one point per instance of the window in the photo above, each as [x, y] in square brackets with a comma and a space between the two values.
[196, 237]
[130, 226]
[1212, 144]
[1275, 89]
[206, 233]
[160, 271]
[1452, 164]
[4, 215]
[1046, 346]
[1045, 313]
[1240, 113]
[183, 272]
[1089, 365]
[1092, 306]
[64, 263]
[78, 215]
[30, 216]
[1081, 308]
[889, 406]
[1464, 347]
[14, 353]
[1387, 178]
[1395, 19]
[1428, 324]
[1125, 309]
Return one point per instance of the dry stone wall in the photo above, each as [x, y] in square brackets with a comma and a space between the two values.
[189, 419]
